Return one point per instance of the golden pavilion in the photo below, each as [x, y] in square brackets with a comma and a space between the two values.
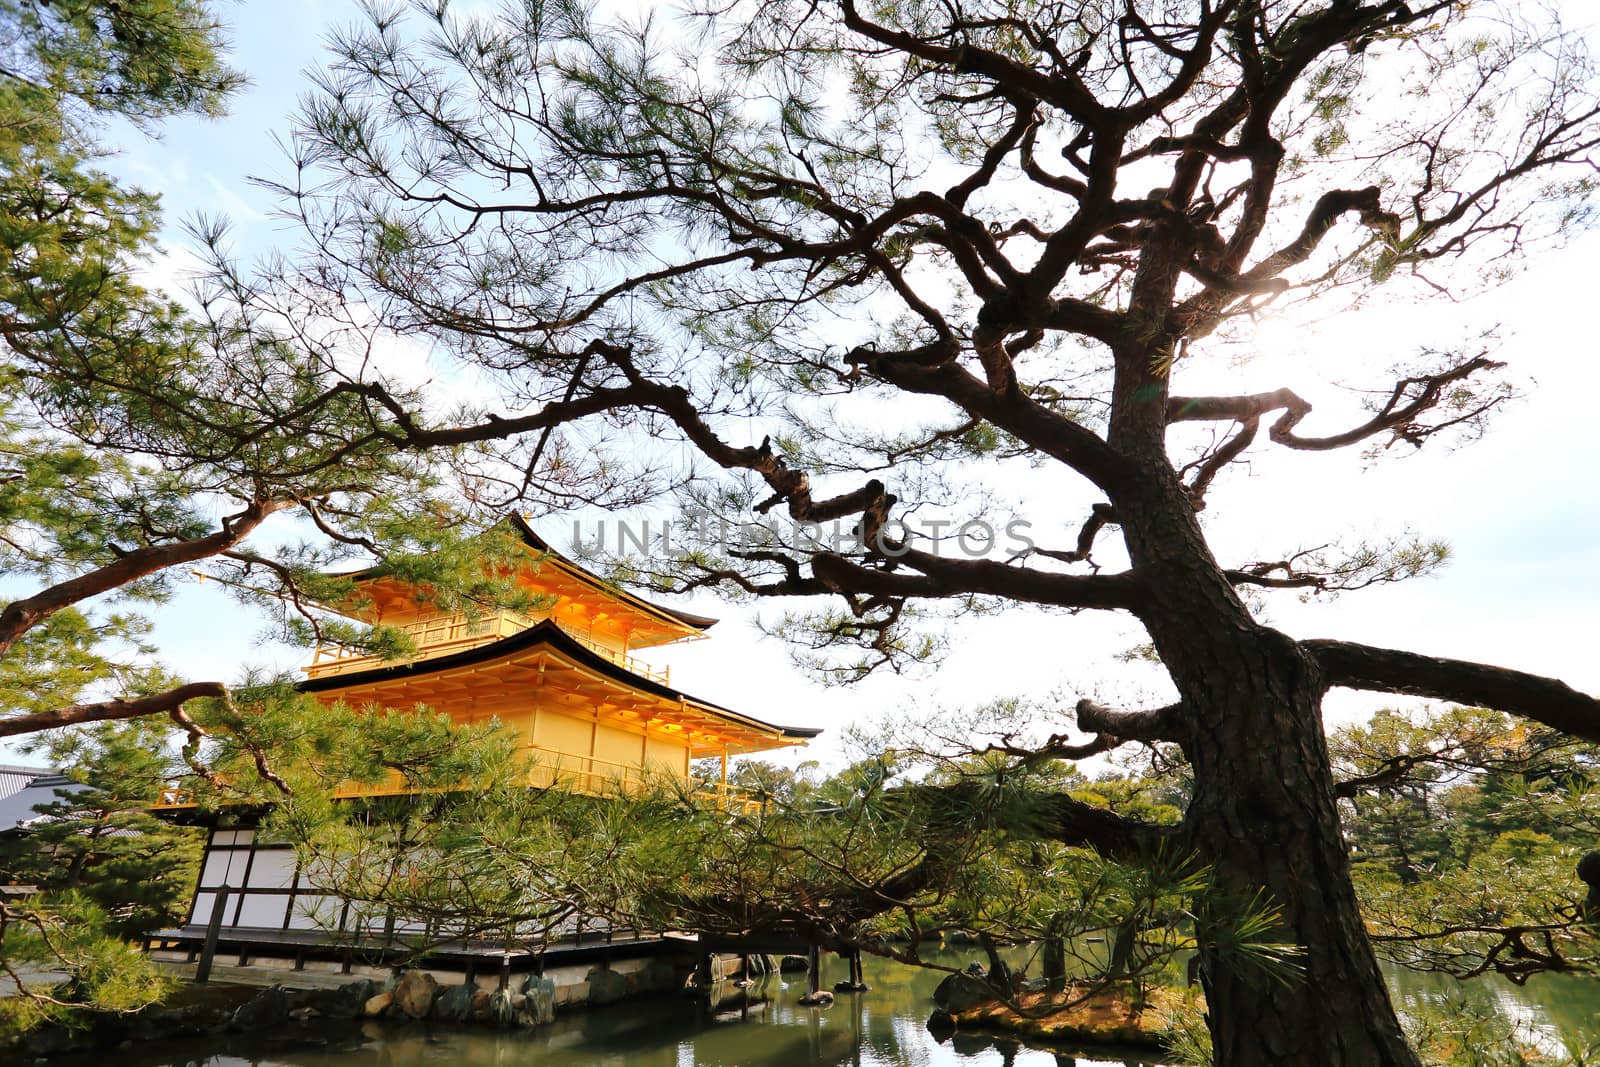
[564, 676]
[595, 717]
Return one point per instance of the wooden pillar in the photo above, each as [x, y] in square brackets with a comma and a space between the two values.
[202, 971]
[813, 968]
[1055, 964]
[589, 782]
[856, 982]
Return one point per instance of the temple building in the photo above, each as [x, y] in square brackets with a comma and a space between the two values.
[564, 676]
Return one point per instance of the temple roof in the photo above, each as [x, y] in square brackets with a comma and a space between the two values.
[539, 544]
[644, 622]
[521, 652]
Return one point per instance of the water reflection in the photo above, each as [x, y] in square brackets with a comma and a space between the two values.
[1553, 1011]
[765, 1027]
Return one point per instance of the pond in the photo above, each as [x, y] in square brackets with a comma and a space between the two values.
[883, 1028]
[1556, 1012]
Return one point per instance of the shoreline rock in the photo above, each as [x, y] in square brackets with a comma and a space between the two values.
[315, 1016]
[414, 993]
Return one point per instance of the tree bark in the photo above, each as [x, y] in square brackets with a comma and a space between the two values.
[107, 710]
[1264, 813]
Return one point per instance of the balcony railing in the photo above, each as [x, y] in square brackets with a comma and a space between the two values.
[622, 659]
[445, 634]
[437, 636]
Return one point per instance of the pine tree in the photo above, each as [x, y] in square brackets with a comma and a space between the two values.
[859, 259]
[97, 838]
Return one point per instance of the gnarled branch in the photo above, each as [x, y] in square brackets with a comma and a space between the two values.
[1156, 724]
[942, 577]
[22, 615]
[1409, 399]
[1387, 670]
[165, 703]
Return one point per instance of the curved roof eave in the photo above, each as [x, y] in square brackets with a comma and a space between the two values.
[545, 632]
[539, 544]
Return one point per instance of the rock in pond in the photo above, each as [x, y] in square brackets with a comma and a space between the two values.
[267, 1008]
[539, 1007]
[349, 1000]
[454, 1003]
[606, 986]
[962, 992]
[502, 1009]
[820, 999]
[414, 993]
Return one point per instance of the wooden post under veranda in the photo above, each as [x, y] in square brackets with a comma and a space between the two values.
[202, 970]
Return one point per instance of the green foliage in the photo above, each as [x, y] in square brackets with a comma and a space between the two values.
[68, 934]
[69, 239]
[498, 861]
[99, 841]
[129, 424]
[895, 852]
[68, 232]
[1465, 834]
[1188, 1038]
[1458, 1033]
[144, 59]
[105, 870]
[66, 656]
[108, 870]
[269, 743]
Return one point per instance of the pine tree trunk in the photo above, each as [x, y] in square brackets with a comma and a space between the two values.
[1264, 814]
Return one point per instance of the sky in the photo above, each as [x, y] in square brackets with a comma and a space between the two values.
[1521, 508]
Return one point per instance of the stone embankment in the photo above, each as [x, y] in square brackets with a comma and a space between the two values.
[409, 996]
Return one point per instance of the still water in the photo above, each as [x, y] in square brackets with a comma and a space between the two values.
[1558, 1013]
[883, 1028]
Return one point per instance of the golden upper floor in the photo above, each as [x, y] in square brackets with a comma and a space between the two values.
[607, 619]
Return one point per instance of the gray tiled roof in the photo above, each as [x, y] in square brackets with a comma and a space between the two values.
[17, 808]
[13, 777]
